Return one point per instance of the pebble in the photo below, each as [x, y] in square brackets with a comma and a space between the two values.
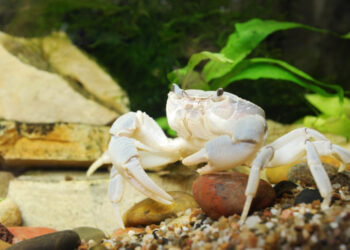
[307, 196]
[10, 214]
[149, 212]
[222, 194]
[342, 178]
[5, 178]
[284, 187]
[300, 173]
[5, 234]
[67, 240]
[90, 233]
[252, 221]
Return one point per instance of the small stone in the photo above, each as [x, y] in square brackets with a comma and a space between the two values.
[307, 196]
[222, 194]
[127, 231]
[342, 178]
[90, 233]
[67, 240]
[99, 247]
[300, 173]
[149, 211]
[5, 234]
[5, 178]
[9, 213]
[284, 187]
[23, 233]
[252, 221]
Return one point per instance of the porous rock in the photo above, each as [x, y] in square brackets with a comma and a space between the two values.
[5, 234]
[48, 80]
[222, 194]
[61, 144]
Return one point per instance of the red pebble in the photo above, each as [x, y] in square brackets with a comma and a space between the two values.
[222, 194]
[22, 233]
[286, 213]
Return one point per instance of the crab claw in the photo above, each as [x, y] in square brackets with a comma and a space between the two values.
[125, 159]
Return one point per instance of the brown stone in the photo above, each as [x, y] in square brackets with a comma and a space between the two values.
[222, 194]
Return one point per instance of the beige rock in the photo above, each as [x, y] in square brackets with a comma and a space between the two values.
[51, 144]
[68, 87]
[65, 200]
[5, 178]
[10, 216]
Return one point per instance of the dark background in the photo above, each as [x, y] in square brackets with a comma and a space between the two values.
[138, 42]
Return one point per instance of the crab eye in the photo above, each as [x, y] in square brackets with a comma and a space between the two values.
[220, 92]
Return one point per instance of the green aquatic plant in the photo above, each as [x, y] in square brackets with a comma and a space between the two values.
[209, 71]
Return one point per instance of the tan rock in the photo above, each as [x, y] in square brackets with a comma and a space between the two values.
[5, 178]
[51, 144]
[50, 199]
[10, 216]
[49, 80]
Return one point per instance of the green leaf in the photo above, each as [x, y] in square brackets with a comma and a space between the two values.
[329, 105]
[186, 76]
[163, 123]
[257, 68]
[247, 37]
[329, 124]
[346, 36]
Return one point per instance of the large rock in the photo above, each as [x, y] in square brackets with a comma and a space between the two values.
[49, 80]
[5, 178]
[51, 144]
[65, 200]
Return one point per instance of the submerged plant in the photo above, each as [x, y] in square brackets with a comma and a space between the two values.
[231, 64]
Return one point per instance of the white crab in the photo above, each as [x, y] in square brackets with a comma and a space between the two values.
[214, 127]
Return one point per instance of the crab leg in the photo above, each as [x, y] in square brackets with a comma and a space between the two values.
[125, 158]
[115, 192]
[261, 160]
[319, 173]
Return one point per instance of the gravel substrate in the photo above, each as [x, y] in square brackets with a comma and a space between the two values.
[282, 226]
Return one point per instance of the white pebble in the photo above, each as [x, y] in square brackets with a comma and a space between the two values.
[274, 211]
[252, 221]
[333, 225]
[269, 225]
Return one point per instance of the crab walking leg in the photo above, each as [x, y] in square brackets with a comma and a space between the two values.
[261, 160]
[319, 173]
[103, 159]
[125, 158]
[115, 192]
[326, 148]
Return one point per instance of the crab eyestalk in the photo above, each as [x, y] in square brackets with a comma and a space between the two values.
[177, 90]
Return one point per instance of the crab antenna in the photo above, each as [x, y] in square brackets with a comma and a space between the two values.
[176, 89]
[220, 92]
